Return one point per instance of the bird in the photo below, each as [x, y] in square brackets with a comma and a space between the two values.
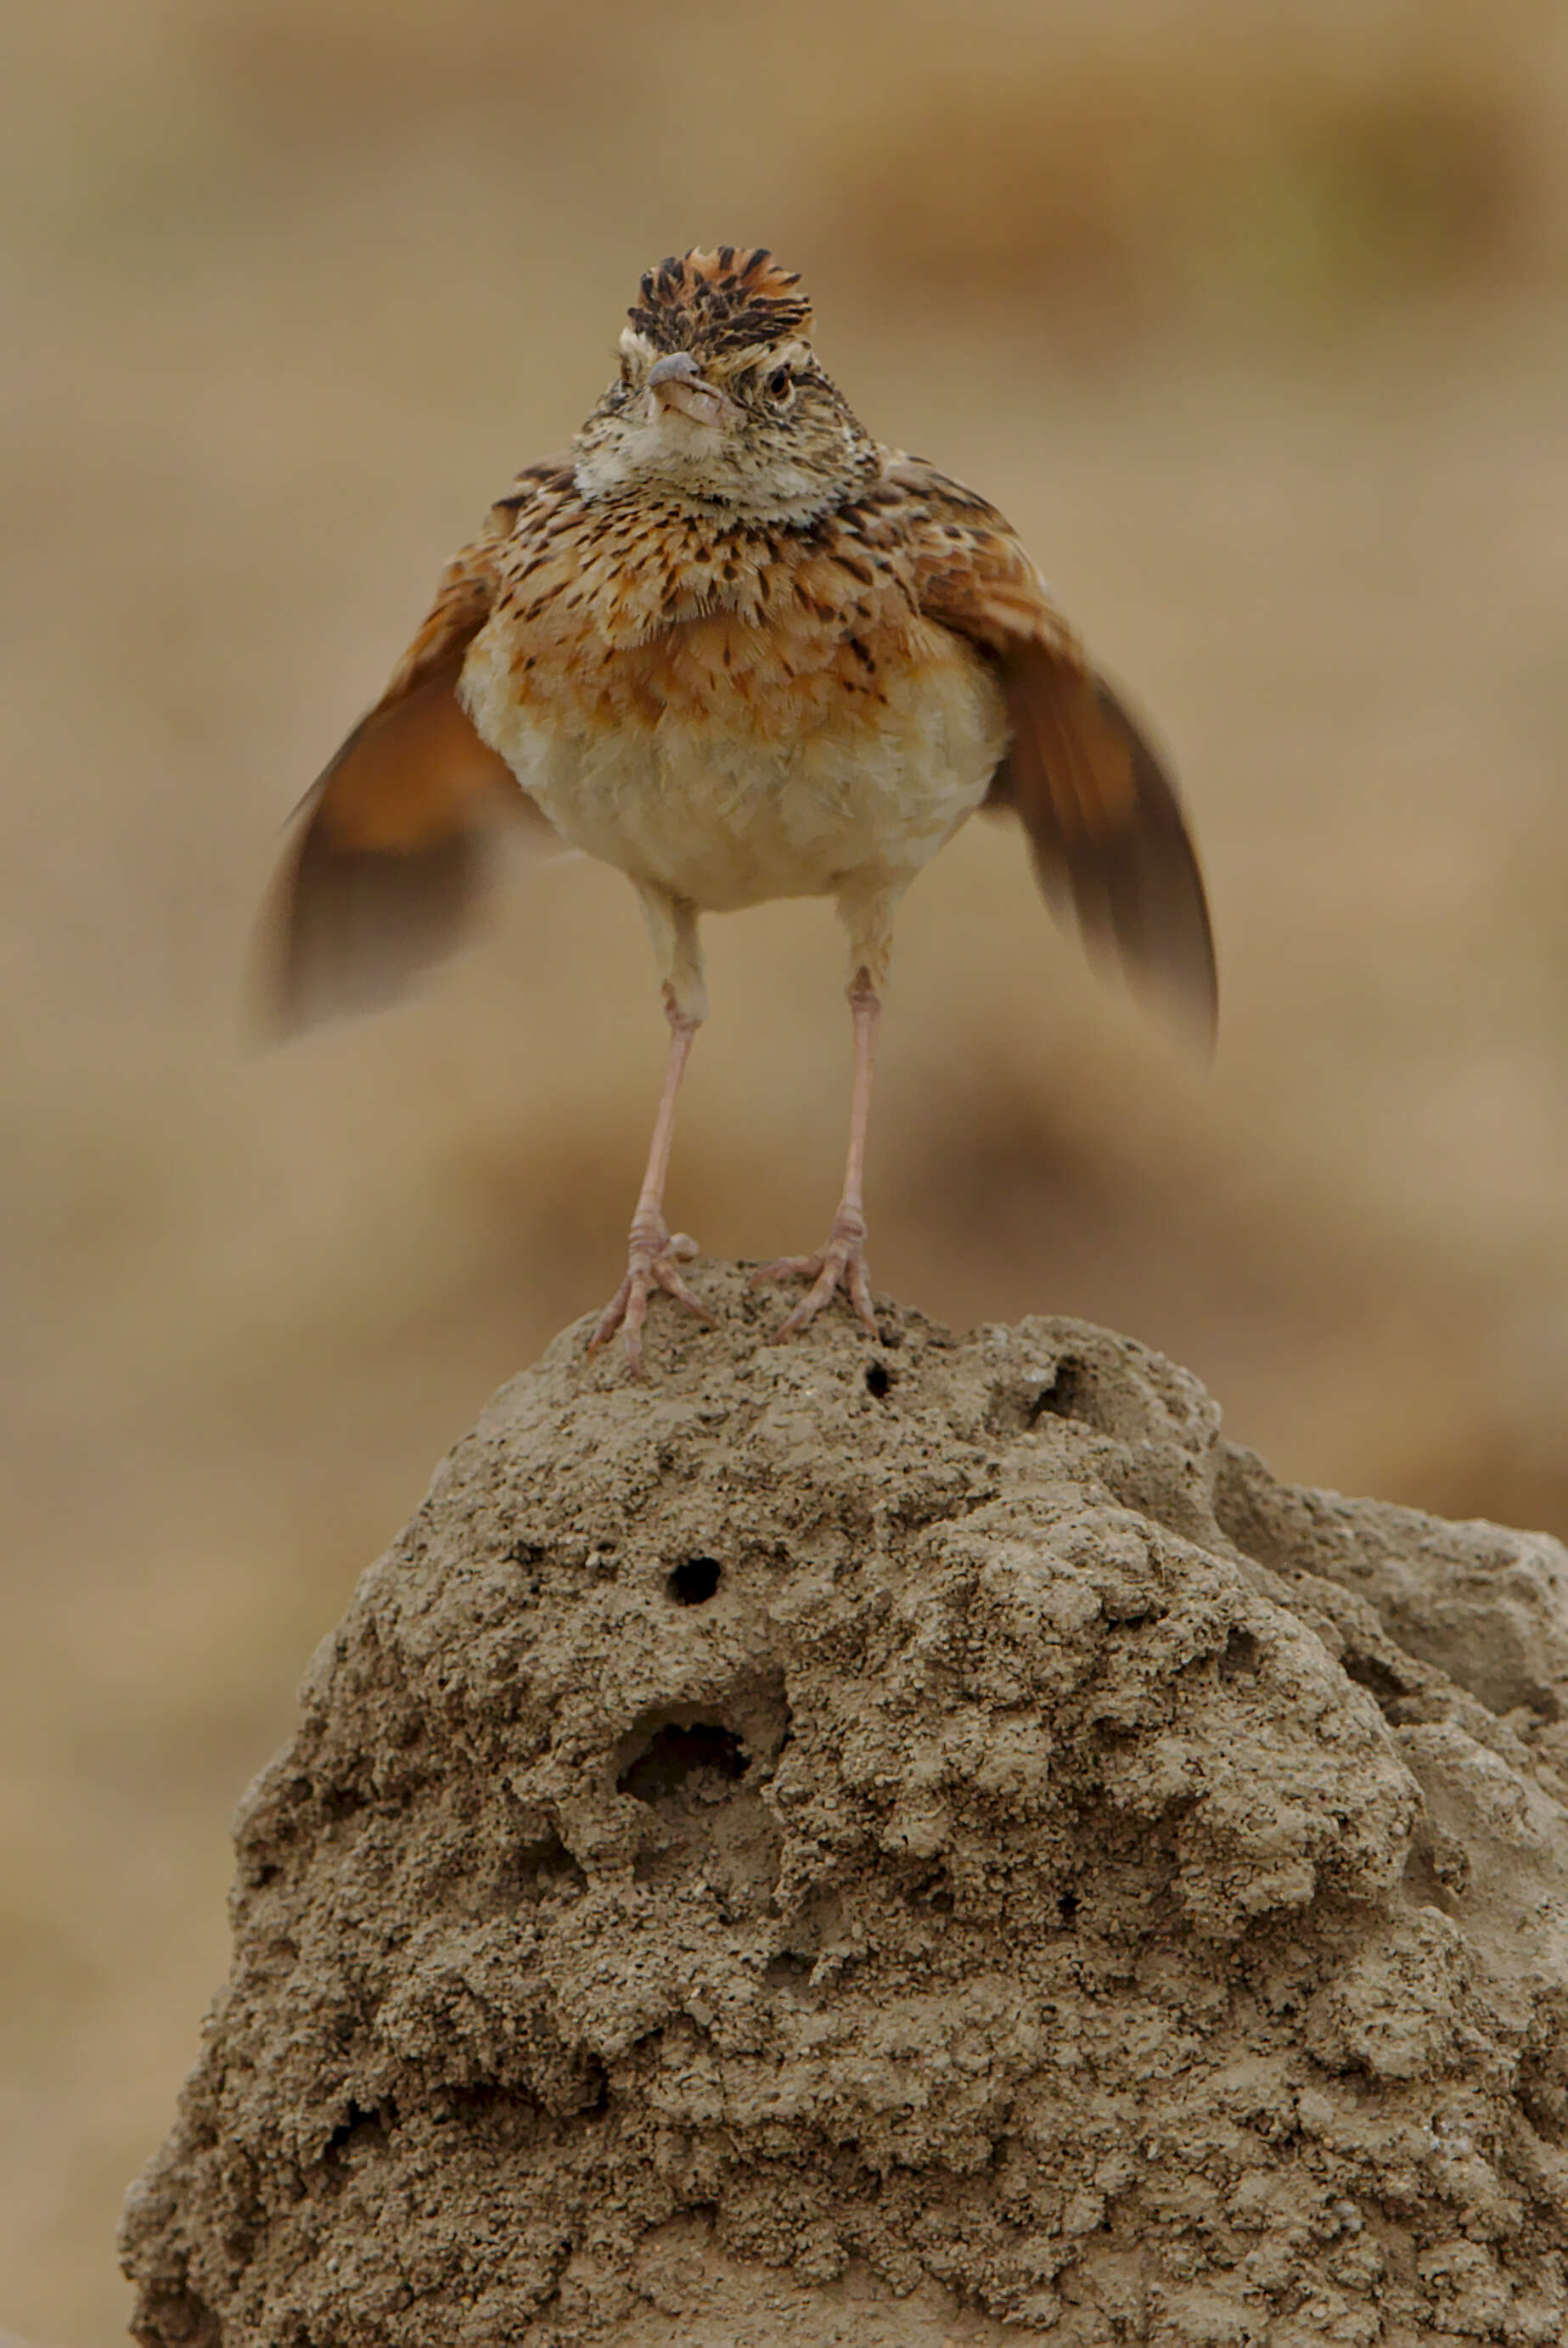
[734, 645]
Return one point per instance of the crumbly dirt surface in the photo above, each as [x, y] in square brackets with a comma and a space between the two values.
[913, 1842]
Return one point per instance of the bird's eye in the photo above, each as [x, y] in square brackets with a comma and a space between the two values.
[781, 383]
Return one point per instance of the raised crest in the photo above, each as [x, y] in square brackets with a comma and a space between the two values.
[726, 299]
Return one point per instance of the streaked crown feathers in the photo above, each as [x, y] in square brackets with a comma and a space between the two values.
[728, 299]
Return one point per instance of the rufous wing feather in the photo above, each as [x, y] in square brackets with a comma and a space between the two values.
[1107, 831]
[394, 842]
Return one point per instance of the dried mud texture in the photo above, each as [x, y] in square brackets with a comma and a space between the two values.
[918, 1842]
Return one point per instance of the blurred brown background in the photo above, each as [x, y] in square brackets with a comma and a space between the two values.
[1252, 318]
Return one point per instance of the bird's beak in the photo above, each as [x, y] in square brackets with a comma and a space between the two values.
[677, 382]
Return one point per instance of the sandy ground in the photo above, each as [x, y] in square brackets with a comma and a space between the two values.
[291, 293]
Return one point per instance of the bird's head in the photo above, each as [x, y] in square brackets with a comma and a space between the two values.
[720, 402]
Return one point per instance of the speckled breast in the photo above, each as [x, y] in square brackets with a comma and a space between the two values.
[728, 762]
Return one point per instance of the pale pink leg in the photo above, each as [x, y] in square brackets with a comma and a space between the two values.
[652, 1254]
[843, 1262]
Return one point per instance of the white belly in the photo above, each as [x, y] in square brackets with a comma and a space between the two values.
[723, 819]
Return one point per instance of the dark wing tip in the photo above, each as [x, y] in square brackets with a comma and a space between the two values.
[1109, 838]
[1160, 908]
[347, 930]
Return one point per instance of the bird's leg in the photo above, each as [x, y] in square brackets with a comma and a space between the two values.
[843, 1262]
[651, 1253]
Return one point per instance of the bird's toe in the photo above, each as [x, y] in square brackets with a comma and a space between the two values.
[652, 1263]
[842, 1264]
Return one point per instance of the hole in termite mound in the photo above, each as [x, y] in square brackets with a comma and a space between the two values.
[1069, 1394]
[695, 1580]
[678, 1758]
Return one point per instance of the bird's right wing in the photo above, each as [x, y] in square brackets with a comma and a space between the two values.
[1106, 828]
[392, 844]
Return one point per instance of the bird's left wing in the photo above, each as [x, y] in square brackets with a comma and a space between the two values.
[392, 843]
[1106, 830]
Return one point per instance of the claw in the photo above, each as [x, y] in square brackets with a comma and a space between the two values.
[650, 1264]
[841, 1265]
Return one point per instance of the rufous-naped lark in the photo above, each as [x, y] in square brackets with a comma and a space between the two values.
[731, 644]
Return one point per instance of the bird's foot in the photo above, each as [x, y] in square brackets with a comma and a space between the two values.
[841, 1265]
[652, 1260]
